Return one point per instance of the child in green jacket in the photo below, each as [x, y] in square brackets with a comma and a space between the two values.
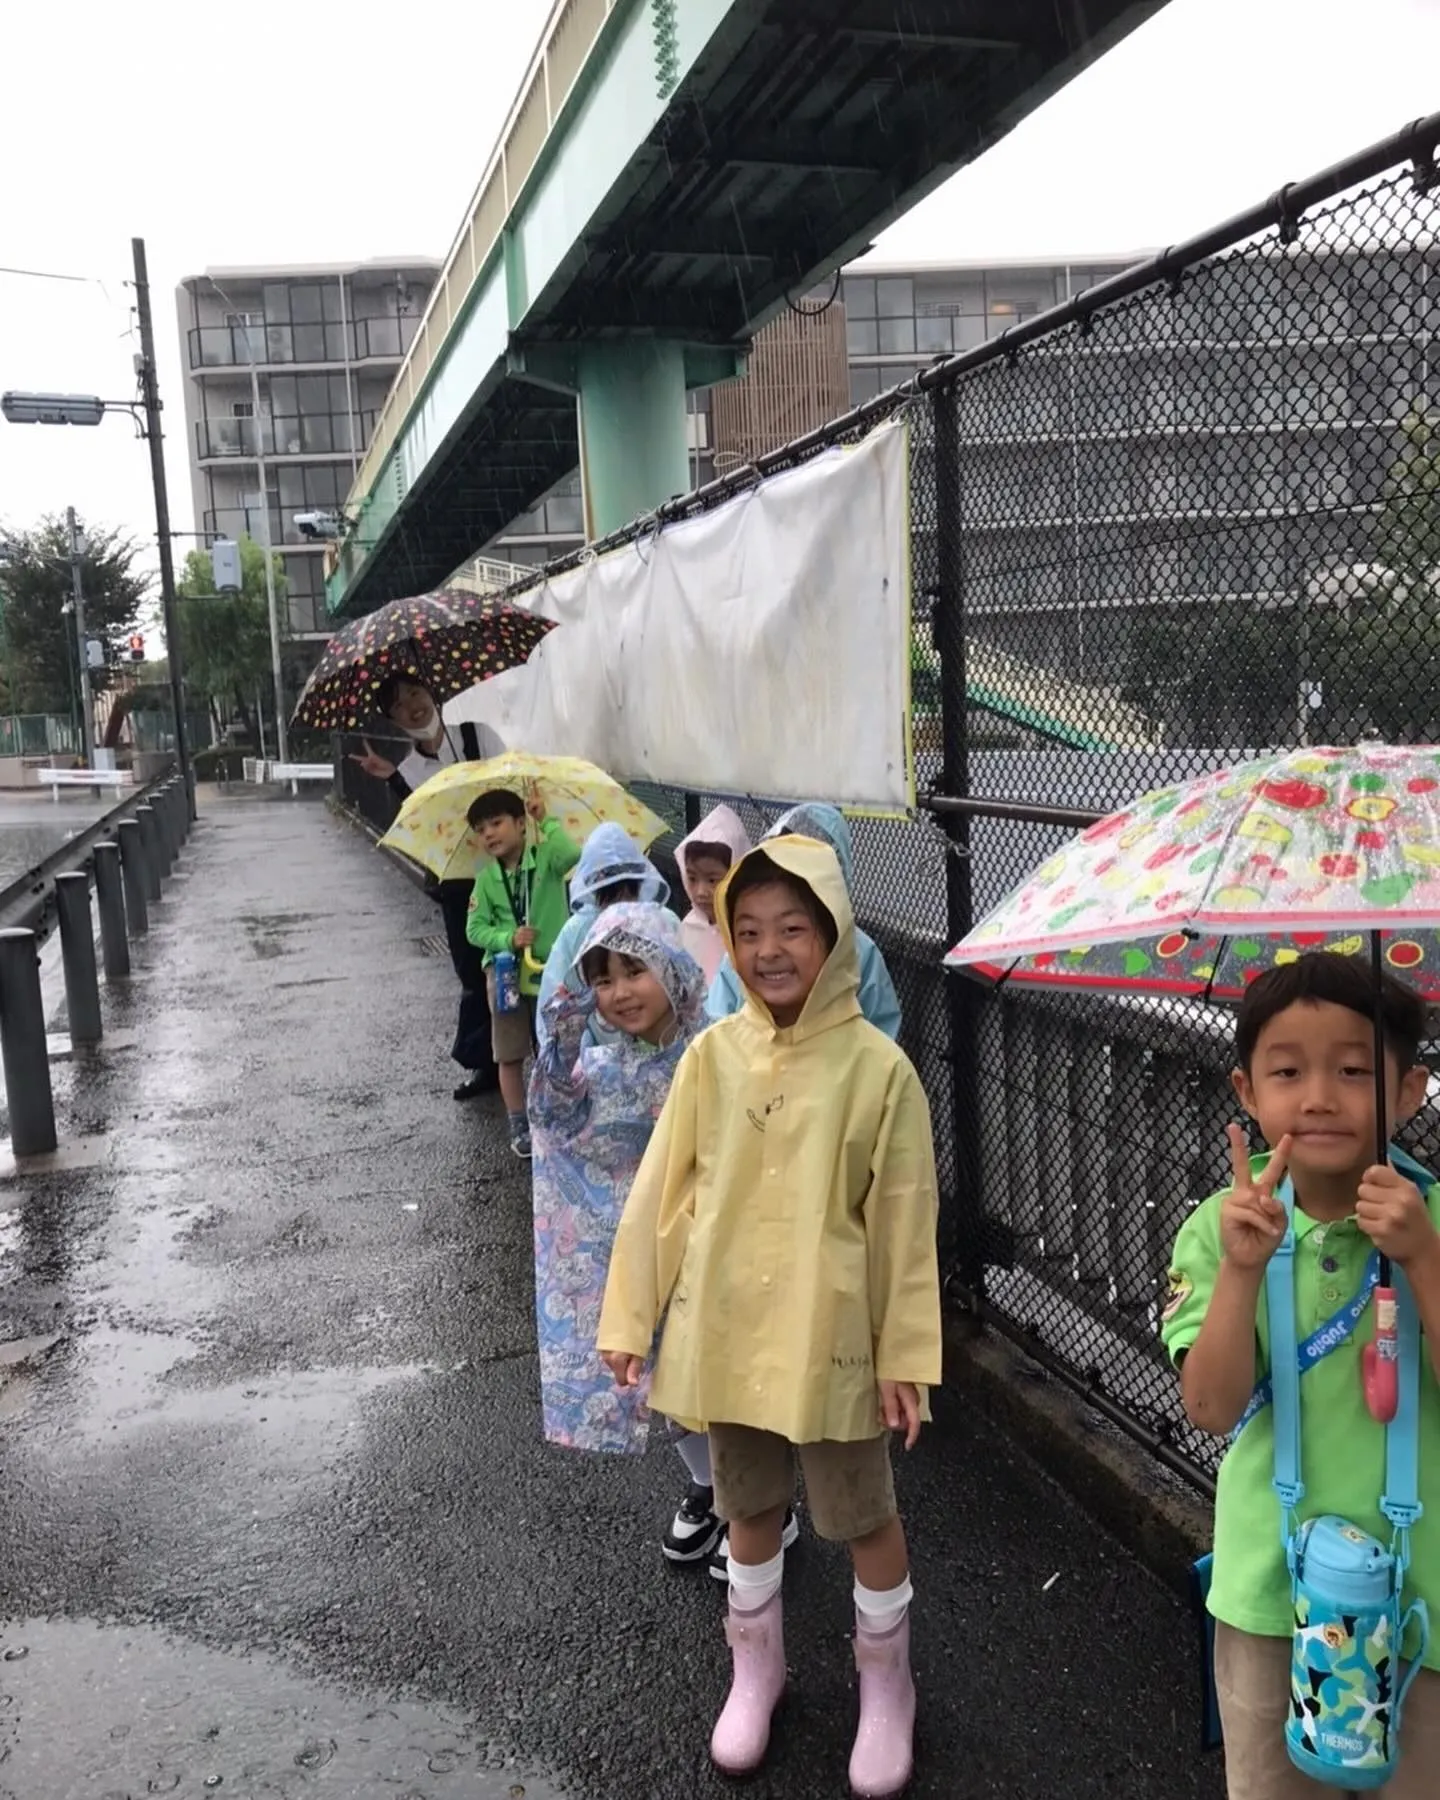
[519, 903]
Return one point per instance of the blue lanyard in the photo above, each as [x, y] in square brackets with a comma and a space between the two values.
[1321, 1342]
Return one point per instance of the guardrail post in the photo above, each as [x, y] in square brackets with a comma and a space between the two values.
[1052, 1047]
[1131, 1154]
[1090, 1153]
[181, 814]
[22, 1045]
[77, 952]
[169, 837]
[161, 844]
[150, 838]
[1027, 1213]
[110, 904]
[131, 843]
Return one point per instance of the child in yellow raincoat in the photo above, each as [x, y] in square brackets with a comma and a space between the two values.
[785, 1214]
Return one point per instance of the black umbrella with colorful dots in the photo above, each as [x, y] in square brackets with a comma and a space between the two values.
[446, 641]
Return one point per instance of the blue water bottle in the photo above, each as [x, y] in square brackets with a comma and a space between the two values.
[507, 983]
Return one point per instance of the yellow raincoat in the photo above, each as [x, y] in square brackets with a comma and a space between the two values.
[785, 1211]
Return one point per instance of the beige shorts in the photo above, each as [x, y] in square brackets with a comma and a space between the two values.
[1252, 1682]
[512, 1035]
[848, 1487]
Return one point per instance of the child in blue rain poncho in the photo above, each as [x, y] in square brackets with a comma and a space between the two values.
[612, 867]
[592, 1110]
[878, 1000]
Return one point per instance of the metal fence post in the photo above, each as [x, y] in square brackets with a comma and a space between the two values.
[110, 904]
[150, 838]
[131, 843]
[963, 998]
[23, 1051]
[77, 951]
[182, 814]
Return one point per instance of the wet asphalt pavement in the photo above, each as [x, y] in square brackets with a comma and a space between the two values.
[277, 1520]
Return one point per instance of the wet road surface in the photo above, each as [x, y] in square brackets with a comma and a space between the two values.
[278, 1521]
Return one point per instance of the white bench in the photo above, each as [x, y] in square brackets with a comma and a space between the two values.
[55, 779]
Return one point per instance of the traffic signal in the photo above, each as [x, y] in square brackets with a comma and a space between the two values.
[137, 648]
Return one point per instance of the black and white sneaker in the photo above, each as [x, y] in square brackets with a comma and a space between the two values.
[695, 1529]
[720, 1556]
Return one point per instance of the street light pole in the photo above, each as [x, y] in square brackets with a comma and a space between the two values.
[150, 396]
[87, 704]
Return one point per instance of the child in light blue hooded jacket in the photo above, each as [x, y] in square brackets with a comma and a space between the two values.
[612, 868]
[878, 1000]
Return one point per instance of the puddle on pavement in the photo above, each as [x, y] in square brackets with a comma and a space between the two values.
[121, 1713]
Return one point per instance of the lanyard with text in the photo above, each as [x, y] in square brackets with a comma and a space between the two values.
[1325, 1338]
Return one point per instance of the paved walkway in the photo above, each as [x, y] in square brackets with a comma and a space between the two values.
[277, 1516]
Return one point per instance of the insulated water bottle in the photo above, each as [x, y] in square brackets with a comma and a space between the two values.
[1346, 1683]
[507, 983]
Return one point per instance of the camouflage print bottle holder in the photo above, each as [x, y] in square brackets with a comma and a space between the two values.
[1347, 1681]
[1347, 1687]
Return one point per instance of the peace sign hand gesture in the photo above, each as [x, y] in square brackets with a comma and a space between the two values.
[1252, 1220]
[373, 764]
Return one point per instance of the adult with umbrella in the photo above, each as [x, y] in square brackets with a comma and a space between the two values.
[404, 661]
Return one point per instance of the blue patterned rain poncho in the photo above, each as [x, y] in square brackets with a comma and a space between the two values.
[592, 1110]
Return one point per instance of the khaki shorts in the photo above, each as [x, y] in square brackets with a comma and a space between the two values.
[1252, 1682]
[849, 1487]
[512, 1035]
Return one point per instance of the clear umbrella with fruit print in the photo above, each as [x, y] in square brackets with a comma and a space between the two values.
[1197, 889]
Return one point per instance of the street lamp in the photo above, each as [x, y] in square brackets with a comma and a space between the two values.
[89, 409]
[52, 409]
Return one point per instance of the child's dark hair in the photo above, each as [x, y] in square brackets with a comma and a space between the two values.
[499, 803]
[388, 691]
[719, 853]
[757, 871]
[614, 892]
[1347, 981]
[595, 963]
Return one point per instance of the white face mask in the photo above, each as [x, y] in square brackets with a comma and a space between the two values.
[423, 734]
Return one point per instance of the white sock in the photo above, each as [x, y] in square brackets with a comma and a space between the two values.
[694, 1450]
[753, 1585]
[881, 1610]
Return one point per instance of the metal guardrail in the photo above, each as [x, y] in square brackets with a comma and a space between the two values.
[127, 853]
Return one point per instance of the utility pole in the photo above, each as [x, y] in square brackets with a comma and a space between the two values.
[150, 395]
[77, 591]
[282, 746]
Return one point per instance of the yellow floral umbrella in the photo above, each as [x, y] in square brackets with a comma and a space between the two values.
[432, 829]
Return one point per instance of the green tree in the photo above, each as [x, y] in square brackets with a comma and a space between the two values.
[225, 638]
[39, 647]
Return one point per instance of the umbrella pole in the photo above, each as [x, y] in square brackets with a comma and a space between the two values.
[1380, 1366]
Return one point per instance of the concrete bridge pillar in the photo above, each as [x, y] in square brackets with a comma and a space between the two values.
[634, 432]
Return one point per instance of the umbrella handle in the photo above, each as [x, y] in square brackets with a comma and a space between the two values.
[1380, 1360]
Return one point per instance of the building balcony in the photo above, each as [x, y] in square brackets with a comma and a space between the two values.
[300, 435]
[368, 341]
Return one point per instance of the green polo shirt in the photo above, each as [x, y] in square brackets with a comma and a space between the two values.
[544, 901]
[1342, 1449]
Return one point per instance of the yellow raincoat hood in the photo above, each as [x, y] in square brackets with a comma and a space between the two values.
[783, 1220]
[834, 998]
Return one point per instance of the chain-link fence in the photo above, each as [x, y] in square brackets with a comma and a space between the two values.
[1190, 515]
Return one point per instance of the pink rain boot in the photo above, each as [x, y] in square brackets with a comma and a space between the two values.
[757, 1647]
[883, 1758]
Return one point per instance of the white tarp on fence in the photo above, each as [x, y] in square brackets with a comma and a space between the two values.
[762, 648]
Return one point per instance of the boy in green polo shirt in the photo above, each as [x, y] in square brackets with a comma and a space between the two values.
[519, 903]
[1304, 1041]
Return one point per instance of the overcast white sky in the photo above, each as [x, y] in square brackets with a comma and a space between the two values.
[269, 136]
